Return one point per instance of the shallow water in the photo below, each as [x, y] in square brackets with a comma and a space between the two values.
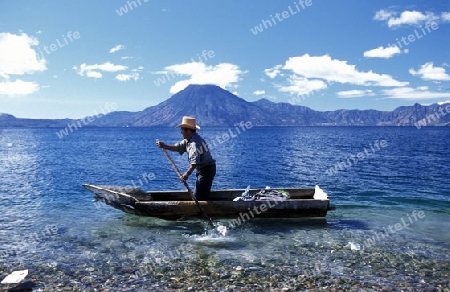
[52, 226]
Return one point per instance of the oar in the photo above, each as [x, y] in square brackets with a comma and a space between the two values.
[189, 189]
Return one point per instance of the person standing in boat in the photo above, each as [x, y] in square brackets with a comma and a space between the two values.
[199, 157]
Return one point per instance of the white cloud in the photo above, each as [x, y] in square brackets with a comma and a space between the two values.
[93, 71]
[410, 18]
[333, 70]
[18, 87]
[301, 86]
[273, 72]
[192, 68]
[428, 72]
[259, 92]
[17, 57]
[355, 93]
[381, 52]
[445, 16]
[383, 14]
[224, 75]
[128, 77]
[93, 74]
[116, 48]
[310, 73]
[422, 92]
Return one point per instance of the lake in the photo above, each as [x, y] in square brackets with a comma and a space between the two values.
[390, 228]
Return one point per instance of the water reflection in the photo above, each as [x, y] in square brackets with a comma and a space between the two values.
[20, 190]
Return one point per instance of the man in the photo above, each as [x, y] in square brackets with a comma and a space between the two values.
[199, 157]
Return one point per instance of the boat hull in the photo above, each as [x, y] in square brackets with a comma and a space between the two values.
[173, 205]
[230, 209]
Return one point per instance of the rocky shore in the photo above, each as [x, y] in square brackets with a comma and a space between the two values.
[304, 269]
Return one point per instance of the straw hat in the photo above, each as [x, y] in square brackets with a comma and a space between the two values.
[188, 122]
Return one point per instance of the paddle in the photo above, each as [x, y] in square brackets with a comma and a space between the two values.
[189, 189]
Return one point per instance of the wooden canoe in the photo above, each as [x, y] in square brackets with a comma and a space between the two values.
[173, 205]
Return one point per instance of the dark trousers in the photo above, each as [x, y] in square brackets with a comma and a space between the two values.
[205, 177]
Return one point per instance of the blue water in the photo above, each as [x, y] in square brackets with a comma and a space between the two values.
[52, 226]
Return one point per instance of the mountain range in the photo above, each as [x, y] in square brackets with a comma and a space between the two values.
[214, 106]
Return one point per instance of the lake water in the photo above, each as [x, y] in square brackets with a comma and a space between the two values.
[390, 228]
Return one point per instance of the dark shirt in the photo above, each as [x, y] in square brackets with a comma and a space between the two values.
[197, 150]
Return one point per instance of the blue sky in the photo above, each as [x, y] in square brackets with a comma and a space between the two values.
[71, 59]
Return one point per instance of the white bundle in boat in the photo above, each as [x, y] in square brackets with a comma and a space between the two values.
[319, 194]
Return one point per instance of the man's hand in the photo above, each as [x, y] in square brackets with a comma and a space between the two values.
[184, 177]
[160, 144]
